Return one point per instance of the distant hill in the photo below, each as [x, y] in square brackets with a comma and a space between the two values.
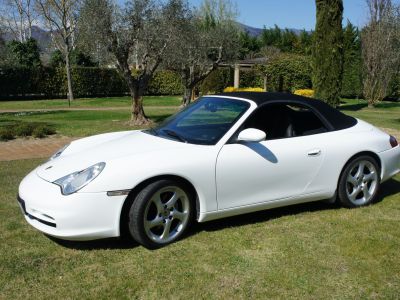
[255, 32]
[42, 36]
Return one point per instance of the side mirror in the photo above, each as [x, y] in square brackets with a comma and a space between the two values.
[252, 135]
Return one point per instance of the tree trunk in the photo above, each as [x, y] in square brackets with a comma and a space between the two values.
[187, 96]
[138, 117]
[69, 81]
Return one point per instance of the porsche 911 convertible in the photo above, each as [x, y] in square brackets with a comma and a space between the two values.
[223, 155]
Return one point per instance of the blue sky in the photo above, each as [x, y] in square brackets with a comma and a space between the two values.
[297, 14]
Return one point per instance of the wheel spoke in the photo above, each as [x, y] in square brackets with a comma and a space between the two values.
[166, 231]
[369, 177]
[354, 193]
[153, 223]
[157, 201]
[366, 192]
[179, 215]
[351, 179]
[171, 202]
[360, 170]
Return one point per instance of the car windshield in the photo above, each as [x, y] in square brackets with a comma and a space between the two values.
[203, 122]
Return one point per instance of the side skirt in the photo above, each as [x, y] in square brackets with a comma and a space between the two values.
[213, 215]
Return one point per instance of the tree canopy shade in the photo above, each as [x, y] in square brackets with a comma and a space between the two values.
[328, 51]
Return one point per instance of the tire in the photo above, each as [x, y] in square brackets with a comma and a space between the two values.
[359, 182]
[161, 213]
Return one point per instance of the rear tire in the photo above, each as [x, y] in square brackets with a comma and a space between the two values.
[359, 182]
[161, 213]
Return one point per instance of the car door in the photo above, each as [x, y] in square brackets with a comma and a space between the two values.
[255, 172]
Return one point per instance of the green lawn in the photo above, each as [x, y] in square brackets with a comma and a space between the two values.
[305, 251]
[385, 114]
[84, 123]
[89, 102]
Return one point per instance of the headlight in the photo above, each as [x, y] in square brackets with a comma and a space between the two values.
[58, 153]
[74, 182]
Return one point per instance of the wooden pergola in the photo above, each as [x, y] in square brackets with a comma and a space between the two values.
[243, 65]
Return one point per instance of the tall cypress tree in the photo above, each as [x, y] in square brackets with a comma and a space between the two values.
[328, 51]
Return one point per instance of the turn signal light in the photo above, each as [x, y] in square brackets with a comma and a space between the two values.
[393, 141]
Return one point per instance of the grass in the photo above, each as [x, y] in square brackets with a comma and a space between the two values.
[385, 114]
[306, 251]
[89, 103]
[85, 123]
[312, 250]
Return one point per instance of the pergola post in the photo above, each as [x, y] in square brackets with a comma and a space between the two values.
[236, 81]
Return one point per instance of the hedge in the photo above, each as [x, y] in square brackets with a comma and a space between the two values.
[46, 82]
[287, 73]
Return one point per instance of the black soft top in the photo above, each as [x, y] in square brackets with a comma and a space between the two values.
[336, 119]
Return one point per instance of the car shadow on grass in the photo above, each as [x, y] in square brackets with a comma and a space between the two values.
[391, 187]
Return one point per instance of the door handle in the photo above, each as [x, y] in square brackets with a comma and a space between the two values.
[314, 152]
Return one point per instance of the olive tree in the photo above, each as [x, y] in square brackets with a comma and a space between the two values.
[208, 38]
[136, 35]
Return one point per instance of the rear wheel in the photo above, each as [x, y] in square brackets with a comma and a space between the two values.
[161, 213]
[360, 181]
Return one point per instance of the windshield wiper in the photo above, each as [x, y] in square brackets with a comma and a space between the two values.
[174, 134]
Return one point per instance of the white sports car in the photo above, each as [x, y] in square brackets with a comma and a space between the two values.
[223, 155]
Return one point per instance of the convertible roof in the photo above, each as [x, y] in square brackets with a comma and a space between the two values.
[334, 117]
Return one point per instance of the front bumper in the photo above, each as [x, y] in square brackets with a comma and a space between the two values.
[79, 216]
[390, 160]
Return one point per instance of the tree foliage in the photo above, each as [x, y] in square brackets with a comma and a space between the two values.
[380, 49]
[25, 54]
[352, 63]
[207, 38]
[328, 51]
[136, 35]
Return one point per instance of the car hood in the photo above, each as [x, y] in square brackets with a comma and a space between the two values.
[86, 152]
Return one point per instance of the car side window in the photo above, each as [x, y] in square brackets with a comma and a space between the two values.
[285, 120]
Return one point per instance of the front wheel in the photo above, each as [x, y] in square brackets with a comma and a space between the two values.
[161, 213]
[359, 182]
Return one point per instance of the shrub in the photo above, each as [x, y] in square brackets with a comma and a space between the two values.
[165, 82]
[217, 81]
[231, 89]
[50, 82]
[24, 129]
[252, 77]
[304, 92]
[12, 129]
[42, 130]
[287, 73]
[6, 133]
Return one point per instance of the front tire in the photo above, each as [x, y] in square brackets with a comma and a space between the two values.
[161, 213]
[359, 182]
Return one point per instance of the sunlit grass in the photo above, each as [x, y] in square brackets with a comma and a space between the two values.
[89, 102]
[306, 251]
